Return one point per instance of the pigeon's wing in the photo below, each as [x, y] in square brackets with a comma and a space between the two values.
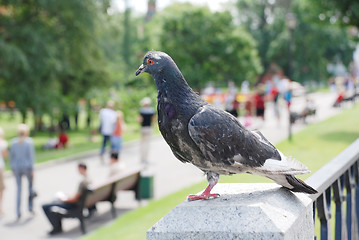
[223, 140]
[287, 165]
[261, 138]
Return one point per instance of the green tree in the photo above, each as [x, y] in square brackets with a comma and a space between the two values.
[208, 46]
[315, 44]
[83, 64]
[260, 19]
[318, 45]
[315, 47]
[331, 11]
[28, 64]
[50, 54]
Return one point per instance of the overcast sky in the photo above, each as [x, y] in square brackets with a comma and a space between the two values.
[141, 5]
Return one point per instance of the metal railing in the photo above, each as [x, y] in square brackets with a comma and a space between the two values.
[338, 181]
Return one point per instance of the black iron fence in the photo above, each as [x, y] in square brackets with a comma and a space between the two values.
[338, 184]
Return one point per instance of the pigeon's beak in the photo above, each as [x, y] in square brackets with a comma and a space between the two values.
[140, 70]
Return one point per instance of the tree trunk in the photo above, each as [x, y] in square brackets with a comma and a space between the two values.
[89, 114]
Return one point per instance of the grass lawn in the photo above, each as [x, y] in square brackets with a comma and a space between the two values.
[314, 146]
[79, 140]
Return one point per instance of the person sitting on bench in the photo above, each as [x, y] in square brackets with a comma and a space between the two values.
[64, 202]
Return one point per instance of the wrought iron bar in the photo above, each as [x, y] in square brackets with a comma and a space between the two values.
[323, 206]
[338, 181]
[356, 179]
[349, 199]
[338, 195]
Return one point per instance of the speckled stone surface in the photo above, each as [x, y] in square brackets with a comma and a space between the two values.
[243, 211]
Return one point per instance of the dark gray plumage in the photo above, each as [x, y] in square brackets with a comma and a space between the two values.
[212, 139]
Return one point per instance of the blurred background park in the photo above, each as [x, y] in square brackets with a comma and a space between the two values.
[61, 61]
[65, 59]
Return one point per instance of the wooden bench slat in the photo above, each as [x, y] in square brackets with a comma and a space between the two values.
[105, 191]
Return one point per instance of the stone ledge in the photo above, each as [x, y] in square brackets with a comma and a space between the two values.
[243, 211]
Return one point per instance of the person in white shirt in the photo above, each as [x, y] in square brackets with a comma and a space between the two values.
[108, 122]
[3, 154]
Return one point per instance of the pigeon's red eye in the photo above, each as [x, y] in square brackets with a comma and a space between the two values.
[150, 61]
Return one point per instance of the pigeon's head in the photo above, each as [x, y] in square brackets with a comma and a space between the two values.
[154, 62]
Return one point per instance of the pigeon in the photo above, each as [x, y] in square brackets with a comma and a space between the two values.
[210, 138]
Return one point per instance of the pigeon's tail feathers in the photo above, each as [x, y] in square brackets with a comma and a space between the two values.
[287, 165]
[299, 185]
[292, 183]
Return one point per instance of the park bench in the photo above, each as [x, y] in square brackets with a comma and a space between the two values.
[294, 116]
[103, 192]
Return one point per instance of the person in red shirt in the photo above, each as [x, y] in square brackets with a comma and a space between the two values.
[116, 137]
[63, 139]
[259, 103]
[339, 99]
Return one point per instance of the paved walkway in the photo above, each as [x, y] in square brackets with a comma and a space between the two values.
[170, 176]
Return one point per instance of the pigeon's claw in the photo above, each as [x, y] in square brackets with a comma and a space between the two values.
[202, 196]
[206, 194]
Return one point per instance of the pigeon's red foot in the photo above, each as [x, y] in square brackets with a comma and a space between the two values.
[206, 194]
[202, 196]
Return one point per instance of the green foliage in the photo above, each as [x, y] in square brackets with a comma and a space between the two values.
[345, 12]
[129, 100]
[51, 56]
[54, 53]
[208, 46]
[329, 42]
[315, 44]
[260, 19]
[125, 41]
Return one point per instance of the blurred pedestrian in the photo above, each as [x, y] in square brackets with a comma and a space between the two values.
[145, 118]
[259, 104]
[332, 85]
[116, 137]
[107, 125]
[3, 154]
[57, 143]
[232, 104]
[66, 202]
[288, 97]
[22, 158]
[62, 139]
[275, 96]
[285, 90]
[245, 87]
[339, 99]
[248, 111]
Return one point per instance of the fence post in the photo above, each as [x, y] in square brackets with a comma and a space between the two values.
[243, 211]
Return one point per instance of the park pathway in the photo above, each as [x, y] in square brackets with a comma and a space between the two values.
[170, 175]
